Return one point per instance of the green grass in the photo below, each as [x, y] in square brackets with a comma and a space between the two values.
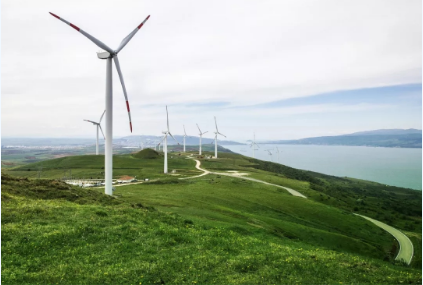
[57, 240]
[261, 209]
[147, 153]
[88, 166]
[208, 229]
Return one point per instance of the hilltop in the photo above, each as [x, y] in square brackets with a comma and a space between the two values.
[211, 228]
[147, 153]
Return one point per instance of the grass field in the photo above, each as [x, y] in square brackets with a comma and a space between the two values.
[53, 233]
[211, 229]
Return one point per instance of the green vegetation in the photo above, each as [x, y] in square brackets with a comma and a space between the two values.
[398, 207]
[147, 153]
[211, 229]
[100, 242]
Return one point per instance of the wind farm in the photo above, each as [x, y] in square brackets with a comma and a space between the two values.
[311, 176]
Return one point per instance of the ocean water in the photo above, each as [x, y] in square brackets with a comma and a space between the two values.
[392, 166]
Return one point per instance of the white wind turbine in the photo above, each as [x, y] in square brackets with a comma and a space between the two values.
[185, 135]
[253, 145]
[277, 150]
[109, 54]
[270, 153]
[165, 142]
[98, 127]
[215, 138]
[201, 135]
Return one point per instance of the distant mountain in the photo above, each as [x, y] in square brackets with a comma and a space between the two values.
[124, 141]
[387, 132]
[151, 140]
[410, 138]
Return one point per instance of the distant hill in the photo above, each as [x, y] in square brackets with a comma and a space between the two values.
[410, 138]
[124, 141]
[152, 140]
[387, 132]
[147, 153]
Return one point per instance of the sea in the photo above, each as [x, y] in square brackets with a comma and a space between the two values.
[400, 167]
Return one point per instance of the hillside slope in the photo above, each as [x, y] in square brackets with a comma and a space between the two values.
[104, 240]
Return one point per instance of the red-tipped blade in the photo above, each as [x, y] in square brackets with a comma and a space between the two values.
[116, 60]
[91, 38]
[129, 37]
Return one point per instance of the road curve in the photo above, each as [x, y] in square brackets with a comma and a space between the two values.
[198, 164]
[406, 246]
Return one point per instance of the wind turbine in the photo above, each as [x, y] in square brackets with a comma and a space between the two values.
[109, 54]
[201, 135]
[215, 138]
[277, 150]
[185, 135]
[165, 142]
[98, 127]
[270, 153]
[253, 145]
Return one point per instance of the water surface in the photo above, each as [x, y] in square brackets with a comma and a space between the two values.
[393, 166]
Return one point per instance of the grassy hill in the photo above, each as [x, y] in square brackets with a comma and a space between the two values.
[208, 229]
[147, 153]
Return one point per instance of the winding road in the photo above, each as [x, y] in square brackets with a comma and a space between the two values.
[406, 246]
[205, 172]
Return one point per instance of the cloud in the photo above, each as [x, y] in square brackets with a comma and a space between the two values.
[216, 54]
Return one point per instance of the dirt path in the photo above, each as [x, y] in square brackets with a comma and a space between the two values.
[406, 246]
[205, 172]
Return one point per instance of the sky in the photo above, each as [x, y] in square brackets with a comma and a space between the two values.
[281, 69]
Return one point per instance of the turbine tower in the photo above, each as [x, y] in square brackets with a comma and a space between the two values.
[165, 142]
[109, 54]
[215, 138]
[185, 135]
[98, 127]
[201, 135]
[253, 145]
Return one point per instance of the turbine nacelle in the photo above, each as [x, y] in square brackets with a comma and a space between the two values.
[104, 54]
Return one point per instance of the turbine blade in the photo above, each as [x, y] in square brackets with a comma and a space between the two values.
[102, 117]
[91, 122]
[173, 137]
[162, 140]
[101, 129]
[221, 134]
[215, 124]
[91, 38]
[198, 128]
[129, 37]
[205, 132]
[115, 58]
[185, 131]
